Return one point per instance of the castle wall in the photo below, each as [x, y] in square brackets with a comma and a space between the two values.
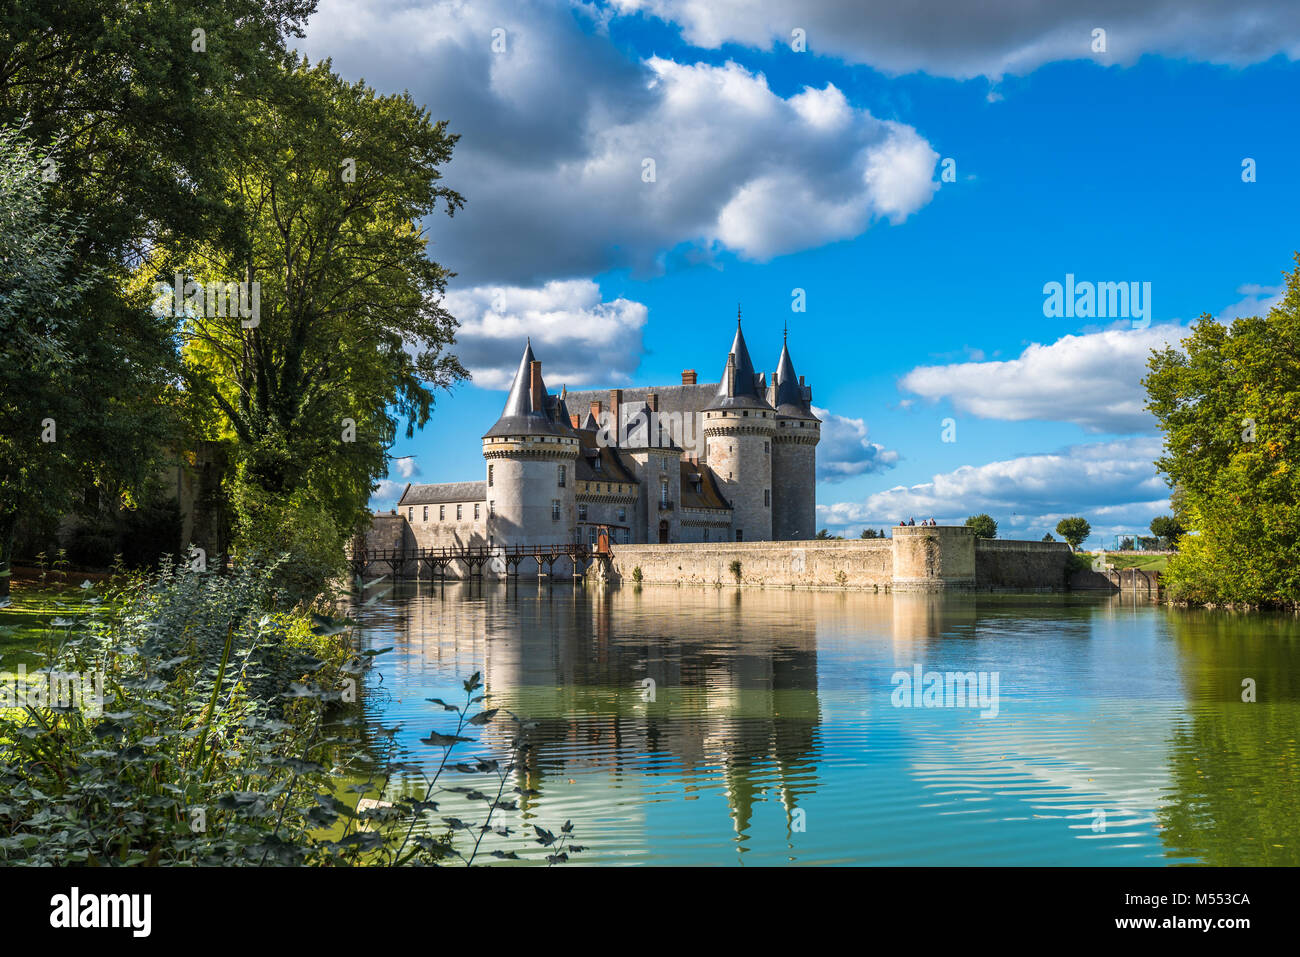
[864, 563]
[917, 558]
[437, 526]
[705, 525]
[1001, 563]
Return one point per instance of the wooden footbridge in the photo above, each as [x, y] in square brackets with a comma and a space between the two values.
[431, 563]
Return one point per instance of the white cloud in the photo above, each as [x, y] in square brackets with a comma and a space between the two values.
[555, 131]
[1258, 301]
[1112, 484]
[386, 494]
[845, 450]
[1093, 380]
[957, 38]
[578, 338]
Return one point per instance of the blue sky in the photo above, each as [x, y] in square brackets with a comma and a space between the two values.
[821, 170]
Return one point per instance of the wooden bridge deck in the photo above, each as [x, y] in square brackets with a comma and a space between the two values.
[401, 561]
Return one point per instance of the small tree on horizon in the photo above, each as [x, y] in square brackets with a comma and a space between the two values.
[1168, 529]
[983, 525]
[1074, 530]
[1048, 537]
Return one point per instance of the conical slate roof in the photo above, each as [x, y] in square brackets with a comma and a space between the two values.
[519, 417]
[739, 390]
[790, 399]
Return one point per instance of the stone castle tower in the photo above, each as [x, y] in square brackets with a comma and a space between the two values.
[738, 427]
[794, 454]
[529, 455]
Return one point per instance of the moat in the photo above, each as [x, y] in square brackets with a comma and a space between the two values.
[724, 726]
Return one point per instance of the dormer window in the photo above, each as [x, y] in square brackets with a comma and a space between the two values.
[595, 465]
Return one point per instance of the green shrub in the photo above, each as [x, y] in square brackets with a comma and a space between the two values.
[226, 729]
[636, 574]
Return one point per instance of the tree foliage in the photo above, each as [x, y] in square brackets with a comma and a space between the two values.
[1074, 530]
[328, 186]
[1228, 402]
[983, 525]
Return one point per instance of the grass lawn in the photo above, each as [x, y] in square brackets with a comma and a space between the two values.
[1148, 563]
[27, 625]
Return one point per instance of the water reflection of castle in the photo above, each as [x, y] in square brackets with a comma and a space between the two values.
[733, 706]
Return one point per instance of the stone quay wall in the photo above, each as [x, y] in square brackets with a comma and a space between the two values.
[917, 558]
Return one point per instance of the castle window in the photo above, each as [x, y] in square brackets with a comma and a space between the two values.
[767, 448]
[562, 471]
[410, 513]
[663, 492]
[492, 508]
[426, 513]
[458, 513]
[555, 510]
[582, 512]
[622, 514]
[746, 413]
[476, 511]
[767, 498]
[489, 476]
[442, 512]
[740, 534]
[595, 465]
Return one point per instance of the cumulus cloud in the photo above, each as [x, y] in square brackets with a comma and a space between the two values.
[1093, 380]
[1257, 301]
[960, 39]
[1112, 484]
[578, 338]
[556, 131]
[845, 450]
[386, 494]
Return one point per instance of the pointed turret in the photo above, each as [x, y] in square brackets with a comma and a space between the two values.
[793, 398]
[525, 412]
[739, 388]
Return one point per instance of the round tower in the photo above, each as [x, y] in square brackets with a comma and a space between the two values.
[794, 454]
[738, 428]
[530, 455]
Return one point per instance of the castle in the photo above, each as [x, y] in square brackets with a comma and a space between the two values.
[729, 461]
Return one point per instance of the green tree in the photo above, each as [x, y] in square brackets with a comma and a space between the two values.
[1167, 529]
[82, 373]
[1074, 530]
[1228, 402]
[329, 183]
[1048, 537]
[124, 117]
[984, 525]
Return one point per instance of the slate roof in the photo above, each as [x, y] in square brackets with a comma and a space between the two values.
[443, 493]
[740, 390]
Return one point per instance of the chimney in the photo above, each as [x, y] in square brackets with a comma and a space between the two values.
[595, 412]
[688, 377]
[801, 380]
[652, 400]
[729, 377]
[536, 394]
[573, 419]
[615, 407]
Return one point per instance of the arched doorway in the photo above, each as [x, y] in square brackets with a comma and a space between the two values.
[663, 532]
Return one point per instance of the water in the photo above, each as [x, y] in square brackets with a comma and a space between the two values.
[1120, 735]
